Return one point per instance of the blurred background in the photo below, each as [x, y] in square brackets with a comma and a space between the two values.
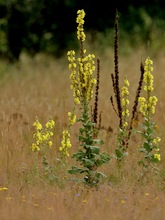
[49, 26]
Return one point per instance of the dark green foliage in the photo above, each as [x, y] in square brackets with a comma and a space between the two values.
[89, 156]
[48, 26]
[148, 146]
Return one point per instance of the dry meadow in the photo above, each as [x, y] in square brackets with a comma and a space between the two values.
[40, 86]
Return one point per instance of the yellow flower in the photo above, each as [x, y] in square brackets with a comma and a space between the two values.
[148, 77]
[72, 117]
[3, 188]
[147, 105]
[65, 143]
[42, 135]
[156, 140]
[125, 101]
[38, 136]
[37, 125]
[77, 100]
[35, 147]
[157, 156]
[80, 29]
[50, 143]
[125, 124]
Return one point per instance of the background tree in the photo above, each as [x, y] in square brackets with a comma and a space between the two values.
[49, 26]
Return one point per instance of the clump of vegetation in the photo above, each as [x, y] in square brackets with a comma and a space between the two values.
[150, 146]
[82, 83]
[122, 102]
[37, 152]
[89, 156]
[43, 143]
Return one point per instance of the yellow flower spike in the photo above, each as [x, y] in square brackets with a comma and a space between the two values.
[125, 101]
[80, 29]
[37, 125]
[147, 108]
[72, 118]
[65, 143]
[82, 81]
[147, 105]
[42, 136]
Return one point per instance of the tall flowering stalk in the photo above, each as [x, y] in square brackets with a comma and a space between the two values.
[122, 102]
[122, 136]
[134, 109]
[82, 83]
[150, 147]
[115, 77]
[125, 102]
[95, 110]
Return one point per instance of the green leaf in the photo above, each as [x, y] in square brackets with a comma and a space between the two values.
[89, 133]
[88, 162]
[79, 155]
[150, 131]
[144, 135]
[119, 154]
[147, 123]
[81, 130]
[76, 170]
[95, 149]
[144, 126]
[106, 157]
[147, 146]
[82, 138]
[102, 158]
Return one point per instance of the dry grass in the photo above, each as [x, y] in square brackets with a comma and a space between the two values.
[40, 87]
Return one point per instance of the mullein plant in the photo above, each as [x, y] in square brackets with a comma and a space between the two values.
[122, 102]
[127, 125]
[43, 142]
[115, 77]
[82, 69]
[150, 146]
[120, 152]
